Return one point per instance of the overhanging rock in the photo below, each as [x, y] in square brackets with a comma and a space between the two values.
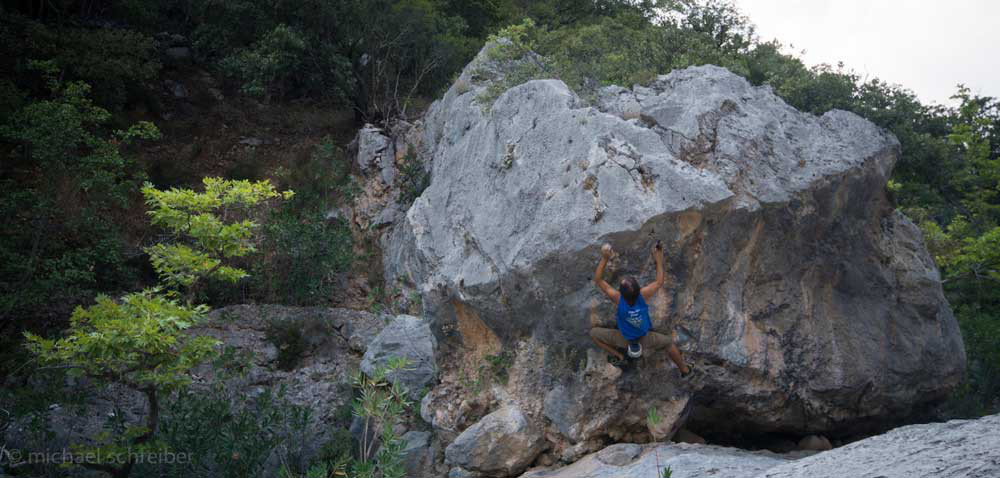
[811, 305]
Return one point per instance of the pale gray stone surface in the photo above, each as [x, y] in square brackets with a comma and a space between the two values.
[502, 443]
[406, 337]
[373, 147]
[809, 302]
[418, 455]
[955, 449]
[628, 460]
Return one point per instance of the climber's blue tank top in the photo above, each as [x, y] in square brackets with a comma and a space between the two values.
[633, 322]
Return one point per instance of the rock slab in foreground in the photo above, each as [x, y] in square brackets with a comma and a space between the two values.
[627, 460]
[813, 306]
[956, 449]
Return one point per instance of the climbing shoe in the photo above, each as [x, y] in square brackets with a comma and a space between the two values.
[690, 372]
[623, 363]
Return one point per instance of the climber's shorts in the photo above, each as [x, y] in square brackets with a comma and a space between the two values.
[651, 341]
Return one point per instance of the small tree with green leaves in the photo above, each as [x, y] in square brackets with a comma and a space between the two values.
[207, 228]
[140, 340]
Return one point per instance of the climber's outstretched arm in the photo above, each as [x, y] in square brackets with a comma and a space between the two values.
[599, 275]
[651, 288]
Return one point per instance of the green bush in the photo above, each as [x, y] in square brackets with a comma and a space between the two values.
[376, 55]
[304, 252]
[118, 63]
[291, 336]
[63, 190]
[301, 249]
[269, 66]
[226, 435]
[140, 341]
[337, 451]
[414, 179]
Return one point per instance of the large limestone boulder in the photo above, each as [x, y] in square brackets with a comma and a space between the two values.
[811, 305]
[956, 449]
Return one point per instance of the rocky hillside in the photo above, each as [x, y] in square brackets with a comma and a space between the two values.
[807, 302]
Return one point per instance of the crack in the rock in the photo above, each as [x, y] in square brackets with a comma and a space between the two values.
[474, 244]
[645, 178]
[703, 146]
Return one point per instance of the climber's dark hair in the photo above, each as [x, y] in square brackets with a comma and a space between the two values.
[629, 290]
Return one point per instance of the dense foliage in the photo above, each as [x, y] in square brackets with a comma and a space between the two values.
[65, 189]
[139, 341]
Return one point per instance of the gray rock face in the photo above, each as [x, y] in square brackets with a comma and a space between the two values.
[418, 455]
[503, 443]
[959, 448]
[810, 303]
[406, 337]
[604, 403]
[375, 152]
[626, 460]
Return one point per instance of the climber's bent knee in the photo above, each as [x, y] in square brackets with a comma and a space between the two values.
[608, 336]
[655, 341]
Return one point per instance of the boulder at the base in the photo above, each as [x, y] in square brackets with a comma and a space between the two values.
[418, 454]
[811, 305]
[502, 443]
[955, 449]
[406, 337]
[626, 460]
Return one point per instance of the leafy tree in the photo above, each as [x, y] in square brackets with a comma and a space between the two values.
[270, 65]
[377, 55]
[969, 251]
[140, 341]
[207, 229]
[410, 47]
[979, 176]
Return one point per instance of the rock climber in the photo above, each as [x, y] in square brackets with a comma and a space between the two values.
[633, 334]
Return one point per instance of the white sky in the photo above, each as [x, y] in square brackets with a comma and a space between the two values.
[928, 46]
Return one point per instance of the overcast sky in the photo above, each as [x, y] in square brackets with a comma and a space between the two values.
[928, 46]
